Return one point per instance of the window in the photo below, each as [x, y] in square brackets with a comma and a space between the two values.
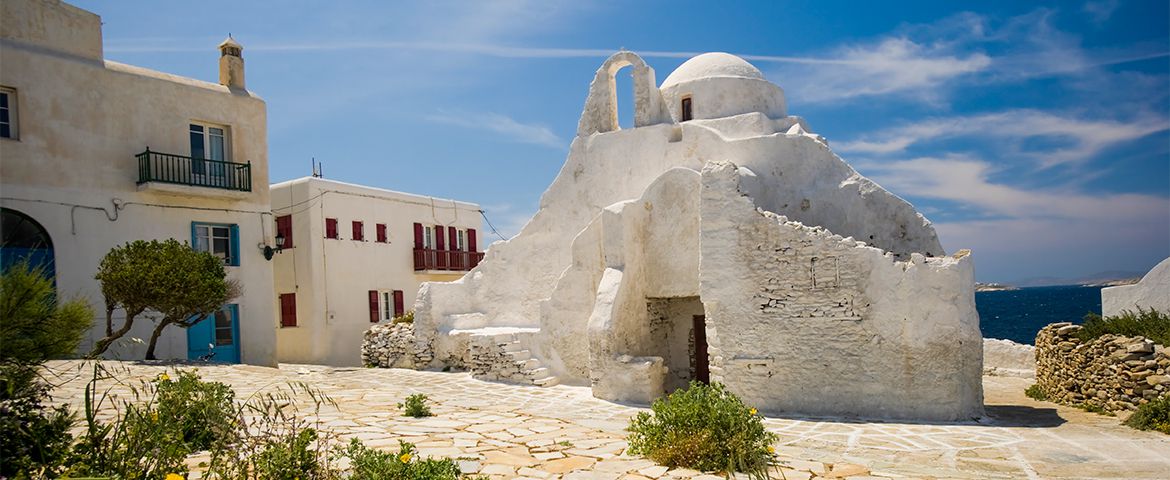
[224, 326]
[8, 113]
[428, 237]
[209, 145]
[359, 233]
[461, 240]
[381, 232]
[331, 228]
[220, 240]
[385, 305]
[686, 109]
[284, 229]
[288, 309]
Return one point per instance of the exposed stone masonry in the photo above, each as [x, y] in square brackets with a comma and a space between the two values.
[1112, 372]
[503, 357]
[393, 345]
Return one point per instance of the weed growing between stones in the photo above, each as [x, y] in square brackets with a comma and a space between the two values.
[369, 464]
[407, 317]
[416, 406]
[1036, 393]
[707, 428]
[1151, 324]
[1154, 415]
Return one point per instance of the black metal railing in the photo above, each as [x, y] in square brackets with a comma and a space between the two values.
[431, 259]
[198, 172]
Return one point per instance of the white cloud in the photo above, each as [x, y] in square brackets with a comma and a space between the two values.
[1100, 11]
[1079, 139]
[503, 125]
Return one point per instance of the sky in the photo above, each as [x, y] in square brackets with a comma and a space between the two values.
[1037, 134]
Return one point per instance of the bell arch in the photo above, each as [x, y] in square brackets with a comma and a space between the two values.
[601, 113]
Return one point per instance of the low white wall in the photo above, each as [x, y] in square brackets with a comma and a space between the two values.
[1153, 291]
[1005, 358]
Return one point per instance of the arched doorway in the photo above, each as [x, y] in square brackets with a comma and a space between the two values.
[22, 238]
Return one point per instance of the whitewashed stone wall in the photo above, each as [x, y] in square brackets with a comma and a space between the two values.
[1152, 292]
[1005, 358]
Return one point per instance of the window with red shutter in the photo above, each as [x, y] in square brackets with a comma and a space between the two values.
[471, 246]
[373, 306]
[381, 228]
[288, 310]
[284, 229]
[331, 228]
[359, 232]
[399, 307]
[441, 263]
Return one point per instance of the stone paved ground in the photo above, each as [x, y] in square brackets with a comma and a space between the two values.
[563, 432]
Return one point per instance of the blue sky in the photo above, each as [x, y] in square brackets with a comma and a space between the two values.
[1036, 134]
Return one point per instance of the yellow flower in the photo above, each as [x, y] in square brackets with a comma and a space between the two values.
[154, 416]
[771, 449]
[752, 411]
[164, 377]
[405, 458]
[174, 476]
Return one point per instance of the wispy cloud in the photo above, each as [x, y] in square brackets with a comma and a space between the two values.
[1077, 139]
[503, 125]
[1100, 11]
[507, 219]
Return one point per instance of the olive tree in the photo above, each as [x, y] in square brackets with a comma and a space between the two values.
[168, 277]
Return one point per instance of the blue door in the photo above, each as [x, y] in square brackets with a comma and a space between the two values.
[217, 337]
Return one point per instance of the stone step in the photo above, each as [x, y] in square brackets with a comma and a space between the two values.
[546, 381]
[538, 372]
[529, 364]
[513, 347]
[519, 355]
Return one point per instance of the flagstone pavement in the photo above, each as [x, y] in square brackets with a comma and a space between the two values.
[511, 431]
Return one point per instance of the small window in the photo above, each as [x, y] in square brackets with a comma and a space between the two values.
[381, 232]
[331, 228]
[284, 229]
[386, 305]
[224, 326]
[428, 237]
[288, 309]
[8, 127]
[359, 232]
[220, 240]
[461, 240]
[686, 109]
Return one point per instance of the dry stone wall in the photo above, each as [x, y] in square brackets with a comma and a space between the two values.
[1112, 372]
[393, 346]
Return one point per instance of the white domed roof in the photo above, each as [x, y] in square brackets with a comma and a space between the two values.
[715, 64]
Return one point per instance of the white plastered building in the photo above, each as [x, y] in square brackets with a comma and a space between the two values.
[354, 256]
[716, 240]
[95, 154]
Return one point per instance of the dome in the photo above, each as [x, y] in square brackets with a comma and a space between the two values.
[715, 64]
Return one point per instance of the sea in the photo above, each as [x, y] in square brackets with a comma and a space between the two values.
[1018, 314]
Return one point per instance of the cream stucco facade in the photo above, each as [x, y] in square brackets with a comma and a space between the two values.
[331, 278]
[77, 164]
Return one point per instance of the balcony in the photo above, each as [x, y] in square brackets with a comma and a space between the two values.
[169, 173]
[431, 259]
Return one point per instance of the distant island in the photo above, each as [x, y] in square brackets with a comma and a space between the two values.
[993, 287]
[1000, 287]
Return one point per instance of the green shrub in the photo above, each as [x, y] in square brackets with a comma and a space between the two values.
[407, 317]
[33, 326]
[1036, 393]
[201, 412]
[1151, 324]
[415, 406]
[1154, 415]
[703, 427]
[34, 439]
[369, 464]
[290, 457]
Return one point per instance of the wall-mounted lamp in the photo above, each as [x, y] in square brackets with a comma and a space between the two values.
[268, 251]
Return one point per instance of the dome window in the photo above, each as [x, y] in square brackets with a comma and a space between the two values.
[686, 109]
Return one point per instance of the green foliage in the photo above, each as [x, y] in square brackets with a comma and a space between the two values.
[369, 464]
[34, 439]
[703, 427]
[33, 326]
[1036, 393]
[201, 412]
[136, 445]
[1094, 408]
[1154, 415]
[416, 406]
[1151, 324]
[168, 277]
[407, 317]
[289, 458]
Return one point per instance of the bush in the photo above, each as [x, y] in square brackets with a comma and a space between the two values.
[1154, 415]
[201, 412]
[33, 327]
[34, 439]
[1151, 324]
[407, 317]
[1036, 393]
[369, 464]
[703, 427]
[416, 406]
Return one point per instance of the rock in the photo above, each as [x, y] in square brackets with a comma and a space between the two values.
[1067, 330]
[1157, 379]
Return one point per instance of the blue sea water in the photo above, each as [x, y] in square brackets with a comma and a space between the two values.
[1018, 314]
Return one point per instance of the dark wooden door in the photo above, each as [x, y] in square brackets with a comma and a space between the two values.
[702, 368]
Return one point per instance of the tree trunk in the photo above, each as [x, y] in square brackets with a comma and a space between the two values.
[154, 337]
[109, 321]
[104, 344]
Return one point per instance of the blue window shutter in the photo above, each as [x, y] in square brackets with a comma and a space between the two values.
[193, 234]
[235, 234]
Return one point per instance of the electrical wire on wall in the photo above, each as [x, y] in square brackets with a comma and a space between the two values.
[493, 227]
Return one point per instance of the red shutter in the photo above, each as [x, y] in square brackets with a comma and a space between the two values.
[373, 306]
[453, 245]
[418, 235]
[359, 232]
[284, 229]
[288, 309]
[441, 264]
[330, 228]
[381, 228]
[471, 247]
[399, 309]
